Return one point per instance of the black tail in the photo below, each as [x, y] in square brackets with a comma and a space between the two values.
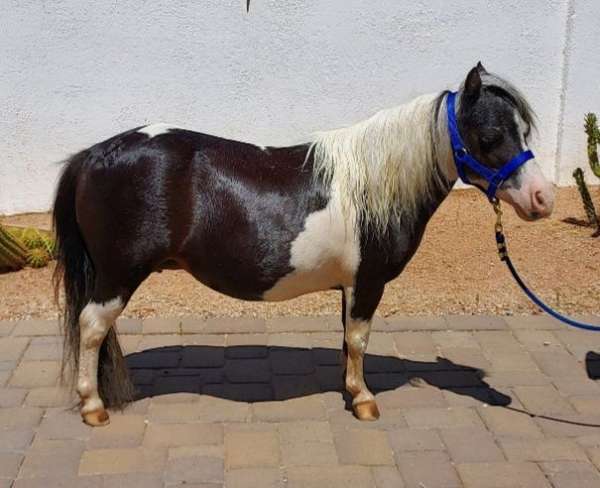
[75, 271]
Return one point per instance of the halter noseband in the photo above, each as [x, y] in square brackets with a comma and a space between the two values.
[464, 160]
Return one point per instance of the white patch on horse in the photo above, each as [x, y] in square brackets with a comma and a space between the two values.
[324, 255]
[95, 321]
[522, 128]
[154, 130]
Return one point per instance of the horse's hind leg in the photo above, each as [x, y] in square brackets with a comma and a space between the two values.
[95, 322]
[356, 335]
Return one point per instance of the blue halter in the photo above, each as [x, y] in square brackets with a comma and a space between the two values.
[464, 160]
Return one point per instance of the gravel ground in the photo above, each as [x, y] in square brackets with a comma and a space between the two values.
[455, 271]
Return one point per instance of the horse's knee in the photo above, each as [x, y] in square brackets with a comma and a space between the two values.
[96, 319]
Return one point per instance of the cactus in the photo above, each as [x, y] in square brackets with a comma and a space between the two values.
[20, 247]
[13, 254]
[593, 139]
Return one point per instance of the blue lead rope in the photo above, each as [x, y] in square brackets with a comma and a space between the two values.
[503, 253]
[465, 161]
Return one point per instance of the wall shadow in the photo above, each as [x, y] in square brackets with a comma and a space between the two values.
[256, 373]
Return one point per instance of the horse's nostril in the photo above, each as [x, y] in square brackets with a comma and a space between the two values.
[540, 201]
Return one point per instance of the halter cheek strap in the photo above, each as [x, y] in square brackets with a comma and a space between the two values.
[464, 160]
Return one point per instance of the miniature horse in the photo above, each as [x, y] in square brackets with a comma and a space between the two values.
[346, 211]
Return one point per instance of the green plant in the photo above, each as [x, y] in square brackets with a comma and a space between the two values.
[593, 139]
[20, 247]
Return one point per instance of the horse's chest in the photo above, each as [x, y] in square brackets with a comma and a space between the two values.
[324, 255]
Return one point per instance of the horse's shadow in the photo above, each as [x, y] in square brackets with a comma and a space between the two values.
[257, 373]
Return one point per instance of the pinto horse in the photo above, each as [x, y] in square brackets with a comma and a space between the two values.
[346, 211]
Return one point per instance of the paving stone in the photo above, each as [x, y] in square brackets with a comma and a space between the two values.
[387, 477]
[130, 343]
[427, 468]
[36, 327]
[542, 400]
[246, 346]
[12, 440]
[12, 348]
[12, 397]
[161, 325]
[253, 478]
[10, 462]
[189, 434]
[478, 396]
[241, 392]
[502, 475]
[305, 431]
[363, 447]
[251, 449]
[19, 417]
[532, 322]
[50, 396]
[115, 461]
[410, 343]
[556, 364]
[573, 425]
[467, 357]
[202, 469]
[44, 349]
[576, 385]
[332, 477]
[304, 324]
[388, 382]
[538, 450]
[293, 362]
[569, 474]
[292, 386]
[61, 423]
[585, 404]
[31, 374]
[507, 360]
[192, 325]
[308, 454]
[288, 340]
[404, 323]
[123, 431]
[415, 440]
[6, 327]
[476, 322]
[48, 458]
[539, 340]
[8, 366]
[440, 418]
[233, 325]
[501, 379]
[498, 340]
[303, 408]
[248, 371]
[207, 357]
[578, 344]
[471, 446]
[449, 339]
[130, 480]
[222, 410]
[409, 397]
[129, 325]
[161, 342]
[62, 482]
[508, 423]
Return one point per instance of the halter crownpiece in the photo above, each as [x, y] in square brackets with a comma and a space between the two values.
[464, 160]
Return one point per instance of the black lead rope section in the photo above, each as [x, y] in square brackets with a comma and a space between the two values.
[503, 253]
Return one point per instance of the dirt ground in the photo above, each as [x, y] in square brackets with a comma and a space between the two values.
[455, 271]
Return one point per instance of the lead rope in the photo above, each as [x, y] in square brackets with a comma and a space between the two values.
[503, 253]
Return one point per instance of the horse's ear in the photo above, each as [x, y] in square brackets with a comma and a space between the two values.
[481, 69]
[473, 84]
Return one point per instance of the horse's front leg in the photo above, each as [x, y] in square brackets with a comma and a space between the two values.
[360, 307]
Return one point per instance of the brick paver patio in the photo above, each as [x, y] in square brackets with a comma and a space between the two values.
[254, 403]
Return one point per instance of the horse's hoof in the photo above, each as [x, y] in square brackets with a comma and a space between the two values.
[366, 410]
[96, 418]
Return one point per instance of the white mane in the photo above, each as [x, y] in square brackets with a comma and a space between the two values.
[386, 166]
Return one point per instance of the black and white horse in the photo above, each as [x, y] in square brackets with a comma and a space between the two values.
[346, 211]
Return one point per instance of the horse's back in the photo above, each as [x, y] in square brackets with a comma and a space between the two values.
[226, 211]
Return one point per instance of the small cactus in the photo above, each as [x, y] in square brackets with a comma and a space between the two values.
[593, 140]
[38, 257]
[21, 247]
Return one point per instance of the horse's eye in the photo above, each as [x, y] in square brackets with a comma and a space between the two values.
[490, 137]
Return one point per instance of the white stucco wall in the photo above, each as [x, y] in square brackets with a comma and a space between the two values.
[73, 73]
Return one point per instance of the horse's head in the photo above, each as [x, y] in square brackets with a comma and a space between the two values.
[495, 122]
